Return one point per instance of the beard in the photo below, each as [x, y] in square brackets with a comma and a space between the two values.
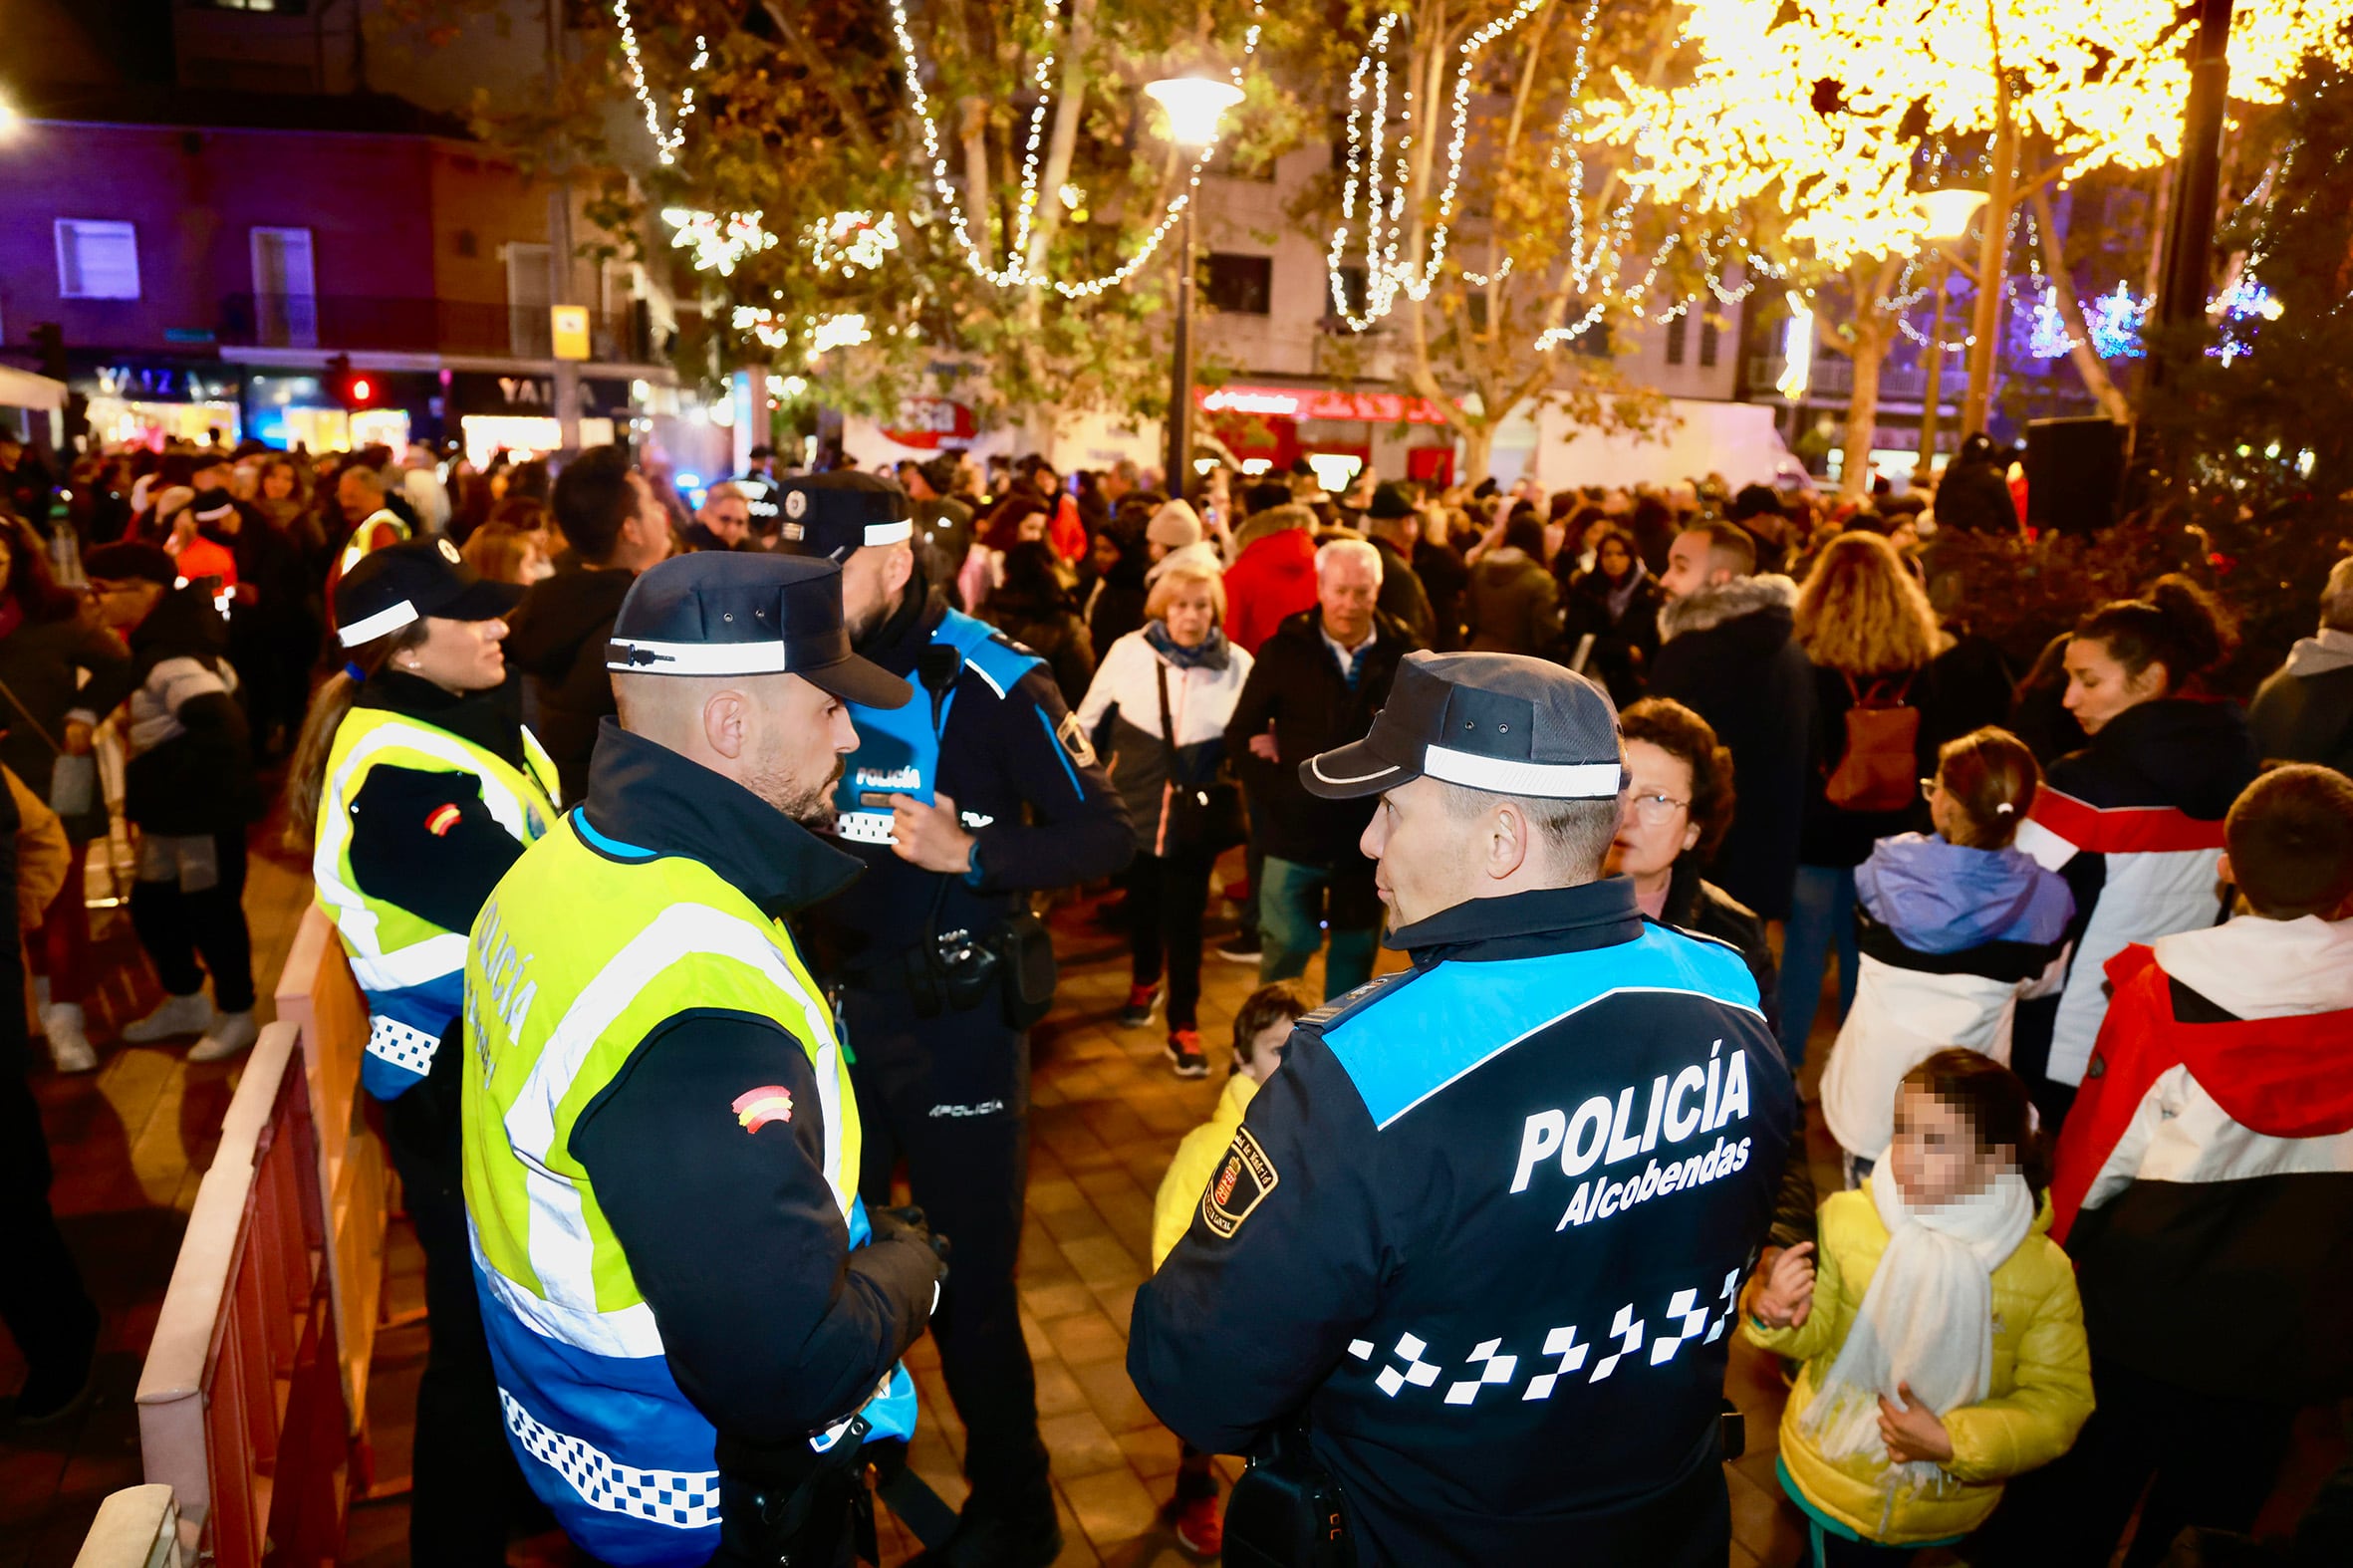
[809, 803]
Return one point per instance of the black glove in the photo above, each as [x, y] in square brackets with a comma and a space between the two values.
[909, 1224]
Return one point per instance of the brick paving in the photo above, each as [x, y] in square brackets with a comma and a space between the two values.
[133, 1139]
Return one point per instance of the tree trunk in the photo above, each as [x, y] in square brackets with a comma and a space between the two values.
[1994, 252]
[1874, 330]
[973, 133]
[1070, 106]
[1478, 449]
[2086, 359]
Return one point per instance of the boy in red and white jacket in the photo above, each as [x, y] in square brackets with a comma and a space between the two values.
[2204, 1188]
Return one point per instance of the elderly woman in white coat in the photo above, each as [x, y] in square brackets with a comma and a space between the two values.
[1166, 692]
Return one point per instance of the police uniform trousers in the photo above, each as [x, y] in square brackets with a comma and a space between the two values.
[468, 1487]
[950, 1095]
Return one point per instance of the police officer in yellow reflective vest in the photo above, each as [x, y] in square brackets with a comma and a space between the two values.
[695, 1323]
[422, 787]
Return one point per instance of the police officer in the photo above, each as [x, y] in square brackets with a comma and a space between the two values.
[422, 787]
[694, 1321]
[979, 789]
[1484, 1233]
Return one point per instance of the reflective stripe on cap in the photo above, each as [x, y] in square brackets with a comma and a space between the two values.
[644, 655]
[890, 533]
[1539, 780]
[368, 627]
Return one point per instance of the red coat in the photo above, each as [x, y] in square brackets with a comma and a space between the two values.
[1272, 581]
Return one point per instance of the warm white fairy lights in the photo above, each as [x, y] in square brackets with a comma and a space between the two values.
[718, 243]
[820, 334]
[1017, 273]
[851, 242]
[665, 143]
[1591, 267]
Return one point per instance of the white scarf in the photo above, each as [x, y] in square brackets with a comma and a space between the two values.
[1927, 1320]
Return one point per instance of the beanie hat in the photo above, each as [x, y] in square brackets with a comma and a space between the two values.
[939, 473]
[1390, 501]
[1175, 525]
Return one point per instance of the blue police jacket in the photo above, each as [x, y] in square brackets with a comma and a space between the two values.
[1485, 1229]
[998, 741]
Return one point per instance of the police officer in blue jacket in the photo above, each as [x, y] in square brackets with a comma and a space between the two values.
[1482, 1235]
[979, 790]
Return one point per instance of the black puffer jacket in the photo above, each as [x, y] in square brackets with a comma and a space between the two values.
[557, 638]
[1728, 654]
[190, 768]
[1624, 644]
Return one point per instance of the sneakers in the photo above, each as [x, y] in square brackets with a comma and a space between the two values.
[229, 1034]
[69, 1045]
[1201, 1527]
[1240, 948]
[1143, 1003]
[1184, 1053]
[189, 1014]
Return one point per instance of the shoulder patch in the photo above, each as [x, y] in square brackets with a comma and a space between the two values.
[987, 653]
[756, 1108]
[1352, 1001]
[1244, 1177]
[1074, 741]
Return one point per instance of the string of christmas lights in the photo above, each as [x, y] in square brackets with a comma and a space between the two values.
[665, 143]
[1016, 273]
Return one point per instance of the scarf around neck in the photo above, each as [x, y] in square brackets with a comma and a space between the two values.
[1209, 655]
[1621, 596]
[1927, 1319]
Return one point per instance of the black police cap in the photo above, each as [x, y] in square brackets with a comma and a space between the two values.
[401, 584]
[1500, 722]
[725, 613]
[831, 514]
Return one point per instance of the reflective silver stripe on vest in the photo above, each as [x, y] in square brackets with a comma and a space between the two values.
[864, 827]
[682, 1499]
[627, 1332]
[562, 1253]
[407, 1048]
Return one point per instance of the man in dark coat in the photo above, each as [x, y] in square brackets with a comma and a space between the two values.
[1394, 525]
[1975, 493]
[2304, 711]
[1728, 654]
[1316, 684]
[617, 528]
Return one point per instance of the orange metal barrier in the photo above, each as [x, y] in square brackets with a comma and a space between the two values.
[319, 997]
[240, 1403]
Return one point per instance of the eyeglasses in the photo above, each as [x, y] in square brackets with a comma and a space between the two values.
[1657, 810]
[1928, 789]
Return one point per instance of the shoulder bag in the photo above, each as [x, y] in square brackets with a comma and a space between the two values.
[1196, 817]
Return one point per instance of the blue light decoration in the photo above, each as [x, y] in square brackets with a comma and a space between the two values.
[2047, 338]
[2114, 321]
[2245, 303]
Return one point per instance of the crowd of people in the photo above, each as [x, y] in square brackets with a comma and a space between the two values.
[2083, 936]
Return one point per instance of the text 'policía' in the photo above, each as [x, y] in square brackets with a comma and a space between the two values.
[1605, 1132]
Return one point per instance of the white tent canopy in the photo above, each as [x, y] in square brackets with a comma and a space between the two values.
[24, 390]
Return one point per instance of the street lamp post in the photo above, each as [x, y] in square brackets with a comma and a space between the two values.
[1194, 106]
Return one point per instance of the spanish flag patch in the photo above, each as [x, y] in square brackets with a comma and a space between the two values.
[442, 819]
[756, 1108]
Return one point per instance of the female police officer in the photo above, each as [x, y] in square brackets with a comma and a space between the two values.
[1482, 1233]
[422, 788]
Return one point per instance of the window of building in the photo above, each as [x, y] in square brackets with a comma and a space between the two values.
[1237, 285]
[1679, 332]
[285, 293]
[1354, 284]
[96, 259]
[1708, 339]
[530, 290]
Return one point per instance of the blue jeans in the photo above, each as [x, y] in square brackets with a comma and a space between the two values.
[1822, 912]
[1291, 928]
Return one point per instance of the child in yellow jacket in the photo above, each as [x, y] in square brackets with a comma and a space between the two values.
[1940, 1328]
[1260, 1030]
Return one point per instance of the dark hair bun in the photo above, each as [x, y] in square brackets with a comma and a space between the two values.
[2194, 624]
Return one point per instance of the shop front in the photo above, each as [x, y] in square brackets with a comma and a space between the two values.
[517, 413]
[1338, 434]
[287, 410]
[149, 403]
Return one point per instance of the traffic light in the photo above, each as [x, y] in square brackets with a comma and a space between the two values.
[352, 389]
